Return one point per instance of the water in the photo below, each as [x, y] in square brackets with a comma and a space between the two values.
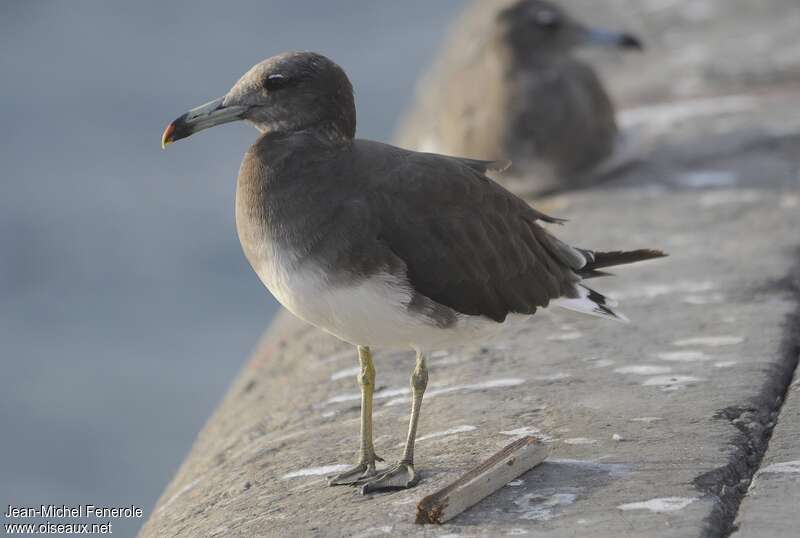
[126, 306]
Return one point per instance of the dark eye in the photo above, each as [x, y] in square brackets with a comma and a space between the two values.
[548, 19]
[276, 82]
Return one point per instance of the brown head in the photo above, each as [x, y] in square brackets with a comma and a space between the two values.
[539, 27]
[287, 93]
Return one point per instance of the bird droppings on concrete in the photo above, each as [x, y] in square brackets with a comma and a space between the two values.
[529, 430]
[564, 337]
[355, 396]
[316, 471]
[725, 364]
[452, 431]
[617, 437]
[710, 341]
[516, 483]
[579, 441]
[700, 179]
[729, 197]
[789, 467]
[672, 382]
[643, 369]
[684, 356]
[543, 506]
[613, 469]
[661, 504]
[651, 291]
[603, 363]
[450, 360]
[386, 529]
[347, 372]
[663, 117]
[790, 201]
[709, 298]
[432, 393]
[179, 493]
[522, 432]
[558, 376]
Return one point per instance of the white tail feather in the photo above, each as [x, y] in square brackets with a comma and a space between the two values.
[593, 304]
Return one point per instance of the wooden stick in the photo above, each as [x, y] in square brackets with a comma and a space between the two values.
[481, 481]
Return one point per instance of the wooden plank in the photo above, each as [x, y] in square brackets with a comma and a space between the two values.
[479, 482]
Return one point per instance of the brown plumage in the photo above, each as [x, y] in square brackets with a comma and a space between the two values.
[383, 246]
[508, 86]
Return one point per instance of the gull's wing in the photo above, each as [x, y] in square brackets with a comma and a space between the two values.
[466, 242]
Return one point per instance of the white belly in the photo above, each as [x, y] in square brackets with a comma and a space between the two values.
[370, 312]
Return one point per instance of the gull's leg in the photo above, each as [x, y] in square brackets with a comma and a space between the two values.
[403, 475]
[365, 467]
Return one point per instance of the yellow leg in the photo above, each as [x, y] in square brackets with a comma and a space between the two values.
[365, 467]
[403, 475]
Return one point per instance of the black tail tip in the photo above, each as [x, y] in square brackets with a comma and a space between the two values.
[650, 253]
[620, 257]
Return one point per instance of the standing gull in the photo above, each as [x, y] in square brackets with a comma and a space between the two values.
[382, 246]
[511, 88]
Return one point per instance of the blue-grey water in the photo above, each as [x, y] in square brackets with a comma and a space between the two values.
[126, 306]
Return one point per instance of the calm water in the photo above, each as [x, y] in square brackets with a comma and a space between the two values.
[126, 306]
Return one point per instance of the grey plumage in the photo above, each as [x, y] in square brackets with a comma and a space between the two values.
[511, 88]
[363, 208]
[381, 245]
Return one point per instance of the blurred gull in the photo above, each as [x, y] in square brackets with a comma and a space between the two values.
[513, 90]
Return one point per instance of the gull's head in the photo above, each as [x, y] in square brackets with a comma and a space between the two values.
[536, 26]
[287, 93]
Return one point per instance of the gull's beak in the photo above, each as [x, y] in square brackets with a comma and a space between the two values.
[205, 116]
[598, 36]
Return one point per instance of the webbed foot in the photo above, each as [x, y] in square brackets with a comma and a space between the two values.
[401, 476]
[355, 475]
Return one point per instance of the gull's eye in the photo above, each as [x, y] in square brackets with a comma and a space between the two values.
[547, 19]
[276, 82]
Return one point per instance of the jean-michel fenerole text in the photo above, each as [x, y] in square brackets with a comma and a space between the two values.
[76, 511]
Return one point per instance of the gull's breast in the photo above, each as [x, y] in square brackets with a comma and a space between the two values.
[368, 310]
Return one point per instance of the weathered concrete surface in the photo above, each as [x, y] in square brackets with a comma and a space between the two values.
[770, 508]
[694, 49]
[733, 60]
[656, 426]
[698, 47]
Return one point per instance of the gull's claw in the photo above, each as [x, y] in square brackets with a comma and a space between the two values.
[355, 475]
[401, 476]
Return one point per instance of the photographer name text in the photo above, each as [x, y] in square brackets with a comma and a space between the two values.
[76, 511]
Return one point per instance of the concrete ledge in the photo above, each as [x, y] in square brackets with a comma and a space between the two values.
[767, 511]
[657, 426]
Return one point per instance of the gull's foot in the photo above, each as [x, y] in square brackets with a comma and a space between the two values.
[401, 476]
[355, 475]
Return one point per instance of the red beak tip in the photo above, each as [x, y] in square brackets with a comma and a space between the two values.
[166, 138]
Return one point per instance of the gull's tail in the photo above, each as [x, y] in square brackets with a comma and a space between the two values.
[597, 260]
[587, 300]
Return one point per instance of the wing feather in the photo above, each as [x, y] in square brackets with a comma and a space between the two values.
[468, 243]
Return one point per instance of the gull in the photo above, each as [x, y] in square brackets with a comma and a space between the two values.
[514, 89]
[381, 246]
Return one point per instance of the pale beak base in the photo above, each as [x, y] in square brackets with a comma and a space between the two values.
[203, 117]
